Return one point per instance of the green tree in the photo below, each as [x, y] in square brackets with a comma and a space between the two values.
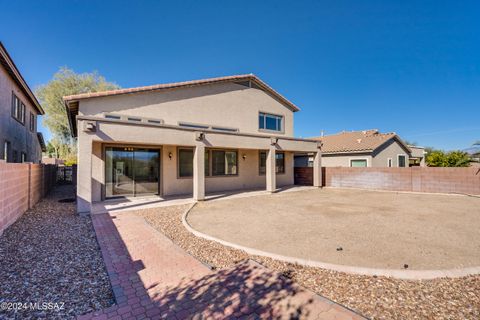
[438, 158]
[458, 159]
[66, 82]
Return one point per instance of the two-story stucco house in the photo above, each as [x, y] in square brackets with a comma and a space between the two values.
[193, 137]
[19, 110]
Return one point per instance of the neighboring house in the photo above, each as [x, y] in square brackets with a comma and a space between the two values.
[417, 156]
[193, 137]
[368, 148]
[19, 110]
[55, 161]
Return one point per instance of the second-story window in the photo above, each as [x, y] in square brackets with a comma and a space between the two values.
[18, 109]
[267, 121]
[32, 122]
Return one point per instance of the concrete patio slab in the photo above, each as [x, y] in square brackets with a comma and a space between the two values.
[146, 202]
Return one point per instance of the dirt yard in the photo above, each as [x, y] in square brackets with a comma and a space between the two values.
[376, 297]
[374, 229]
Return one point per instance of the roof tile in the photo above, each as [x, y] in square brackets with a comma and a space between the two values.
[354, 141]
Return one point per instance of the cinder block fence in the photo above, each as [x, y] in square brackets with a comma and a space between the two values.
[416, 179]
[22, 185]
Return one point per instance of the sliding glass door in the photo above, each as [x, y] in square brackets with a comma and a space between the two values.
[131, 171]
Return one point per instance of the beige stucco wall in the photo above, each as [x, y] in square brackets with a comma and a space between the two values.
[170, 184]
[390, 150]
[344, 160]
[91, 168]
[378, 159]
[19, 135]
[224, 104]
[418, 152]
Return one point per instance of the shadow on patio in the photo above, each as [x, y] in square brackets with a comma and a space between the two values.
[153, 278]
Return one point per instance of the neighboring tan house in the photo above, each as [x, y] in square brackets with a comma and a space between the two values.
[417, 156]
[55, 161]
[368, 148]
[19, 110]
[193, 137]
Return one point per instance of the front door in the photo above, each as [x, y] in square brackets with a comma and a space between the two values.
[131, 171]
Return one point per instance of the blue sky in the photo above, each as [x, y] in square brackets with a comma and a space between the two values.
[412, 67]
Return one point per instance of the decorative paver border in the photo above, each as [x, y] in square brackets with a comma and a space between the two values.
[394, 273]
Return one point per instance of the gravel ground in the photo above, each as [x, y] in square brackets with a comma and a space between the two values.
[374, 297]
[51, 255]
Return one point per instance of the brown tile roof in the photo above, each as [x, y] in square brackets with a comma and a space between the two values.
[245, 77]
[356, 141]
[12, 70]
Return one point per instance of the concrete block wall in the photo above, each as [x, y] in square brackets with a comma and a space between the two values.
[22, 185]
[417, 179]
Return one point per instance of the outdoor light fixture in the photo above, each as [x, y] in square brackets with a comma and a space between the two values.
[199, 136]
[244, 156]
[170, 155]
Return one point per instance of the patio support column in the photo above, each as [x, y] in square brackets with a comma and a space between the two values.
[270, 170]
[199, 172]
[317, 169]
[84, 174]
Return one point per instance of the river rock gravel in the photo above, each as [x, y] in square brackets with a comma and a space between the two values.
[51, 263]
[374, 297]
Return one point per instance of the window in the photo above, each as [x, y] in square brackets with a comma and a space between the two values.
[224, 163]
[358, 163]
[263, 162]
[185, 163]
[401, 160]
[225, 129]
[389, 162]
[18, 109]
[112, 116]
[279, 162]
[191, 125]
[23, 113]
[24, 157]
[134, 119]
[6, 151]
[154, 121]
[271, 122]
[32, 122]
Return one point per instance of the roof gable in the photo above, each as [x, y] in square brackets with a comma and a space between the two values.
[357, 141]
[7, 62]
[248, 80]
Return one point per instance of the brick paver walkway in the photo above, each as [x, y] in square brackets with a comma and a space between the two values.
[152, 278]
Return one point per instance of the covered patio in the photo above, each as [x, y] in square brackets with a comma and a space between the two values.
[103, 132]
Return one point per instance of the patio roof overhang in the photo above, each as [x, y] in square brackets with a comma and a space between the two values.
[121, 131]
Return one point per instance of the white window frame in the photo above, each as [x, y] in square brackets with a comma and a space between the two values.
[398, 160]
[358, 159]
[265, 114]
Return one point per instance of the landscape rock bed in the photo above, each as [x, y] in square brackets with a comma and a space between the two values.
[374, 297]
[51, 255]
